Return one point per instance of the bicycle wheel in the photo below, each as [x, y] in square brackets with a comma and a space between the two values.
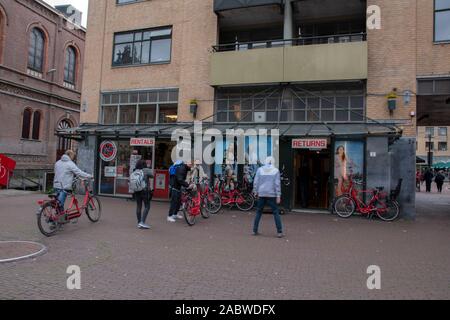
[389, 211]
[344, 206]
[204, 212]
[94, 209]
[245, 202]
[47, 219]
[190, 218]
[213, 202]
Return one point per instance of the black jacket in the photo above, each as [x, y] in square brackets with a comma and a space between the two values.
[439, 178]
[179, 179]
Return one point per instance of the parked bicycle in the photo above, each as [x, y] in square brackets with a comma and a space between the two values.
[380, 203]
[211, 200]
[243, 200]
[50, 218]
[192, 205]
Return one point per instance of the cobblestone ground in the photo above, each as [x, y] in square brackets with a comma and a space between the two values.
[322, 257]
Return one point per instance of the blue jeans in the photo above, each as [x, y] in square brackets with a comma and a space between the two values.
[272, 202]
[61, 197]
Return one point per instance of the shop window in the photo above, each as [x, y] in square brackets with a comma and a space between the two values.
[147, 114]
[36, 50]
[168, 113]
[36, 125]
[26, 123]
[127, 114]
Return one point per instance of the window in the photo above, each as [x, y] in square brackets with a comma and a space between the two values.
[429, 132]
[127, 1]
[142, 47]
[428, 147]
[443, 131]
[36, 50]
[70, 65]
[441, 20]
[26, 123]
[442, 146]
[36, 125]
[143, 107]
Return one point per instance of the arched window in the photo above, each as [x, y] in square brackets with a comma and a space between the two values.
[64, 144]
[36, 125]
[26, 123]
[36, 50]
[70, 65]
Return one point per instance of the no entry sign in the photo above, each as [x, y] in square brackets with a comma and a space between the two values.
[108, 151]
[309, 143]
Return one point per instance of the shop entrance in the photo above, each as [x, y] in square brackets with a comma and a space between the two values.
[312, 172]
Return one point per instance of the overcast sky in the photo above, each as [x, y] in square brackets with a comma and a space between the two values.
[81, 5]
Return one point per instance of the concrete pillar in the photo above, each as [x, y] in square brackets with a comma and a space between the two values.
[288, 20]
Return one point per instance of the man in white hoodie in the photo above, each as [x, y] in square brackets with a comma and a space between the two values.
[65, 170]
[267, 187]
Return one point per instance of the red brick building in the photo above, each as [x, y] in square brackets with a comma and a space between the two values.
[41, 63]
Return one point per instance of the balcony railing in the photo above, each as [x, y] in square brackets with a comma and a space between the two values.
[302, 41]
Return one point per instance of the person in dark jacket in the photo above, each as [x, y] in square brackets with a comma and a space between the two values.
[177, 181]
[439, 179]
[428, 179]
[143, 196]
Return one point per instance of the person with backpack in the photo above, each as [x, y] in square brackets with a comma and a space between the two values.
[140, 186]
[178, 174]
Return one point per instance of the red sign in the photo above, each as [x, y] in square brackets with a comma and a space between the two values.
[108, 151]
[142, 142]
[309, 143]
[161, 184]
[7, 166]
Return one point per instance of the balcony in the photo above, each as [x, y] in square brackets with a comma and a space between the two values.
[305, 59]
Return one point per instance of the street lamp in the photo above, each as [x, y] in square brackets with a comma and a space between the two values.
[430, 150]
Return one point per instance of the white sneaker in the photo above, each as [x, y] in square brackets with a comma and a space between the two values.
[171, 219]
[143, 226]
[180, 216]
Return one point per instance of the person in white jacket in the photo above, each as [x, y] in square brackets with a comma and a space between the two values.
[65, 171]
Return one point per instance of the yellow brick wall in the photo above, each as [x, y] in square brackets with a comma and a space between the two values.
[194, 32]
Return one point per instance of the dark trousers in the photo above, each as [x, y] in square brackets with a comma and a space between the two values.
[142, 197]
[439, 186]
[428, 185]
[272, 202]
[175, 202]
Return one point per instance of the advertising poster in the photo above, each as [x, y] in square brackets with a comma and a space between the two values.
[348, 165]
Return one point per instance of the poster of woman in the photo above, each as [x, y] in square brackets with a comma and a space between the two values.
[348, 164]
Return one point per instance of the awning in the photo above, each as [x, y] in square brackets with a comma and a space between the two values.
[285, 129]
[221, 5]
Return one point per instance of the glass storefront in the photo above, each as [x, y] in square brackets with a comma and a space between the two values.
[114, 175]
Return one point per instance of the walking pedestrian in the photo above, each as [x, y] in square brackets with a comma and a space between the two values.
[267, 187]
[140, 186]
[439, 179]
[428, 179]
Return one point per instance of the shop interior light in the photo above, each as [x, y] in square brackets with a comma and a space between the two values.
[172, 117]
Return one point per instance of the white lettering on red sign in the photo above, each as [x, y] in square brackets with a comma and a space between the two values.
[146, 142]
[309, 143]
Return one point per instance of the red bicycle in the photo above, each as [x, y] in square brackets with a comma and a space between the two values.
[211, 200]
[380, 203]
[244, 201]
[192, 206]
[50, 218]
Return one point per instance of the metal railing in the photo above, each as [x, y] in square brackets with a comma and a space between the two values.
[301, 41]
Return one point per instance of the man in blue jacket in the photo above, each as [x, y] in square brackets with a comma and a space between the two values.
[267, 187]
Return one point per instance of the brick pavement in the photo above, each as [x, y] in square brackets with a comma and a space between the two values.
[322, 257]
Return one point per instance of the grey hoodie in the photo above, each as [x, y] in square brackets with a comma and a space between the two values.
[65, 170]
[267, 182]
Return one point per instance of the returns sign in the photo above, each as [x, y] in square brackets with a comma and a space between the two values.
[309, 143]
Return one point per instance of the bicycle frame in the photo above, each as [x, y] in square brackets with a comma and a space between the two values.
[364, 208]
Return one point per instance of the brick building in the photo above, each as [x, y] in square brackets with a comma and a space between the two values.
[312, 69]
[41, 64]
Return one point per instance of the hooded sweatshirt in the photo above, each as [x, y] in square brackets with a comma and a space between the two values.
[267, 182]
[65, 170]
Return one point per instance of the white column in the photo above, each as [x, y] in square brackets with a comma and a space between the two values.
[288, 20]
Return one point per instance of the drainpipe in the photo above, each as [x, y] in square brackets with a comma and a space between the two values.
[288, 21]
